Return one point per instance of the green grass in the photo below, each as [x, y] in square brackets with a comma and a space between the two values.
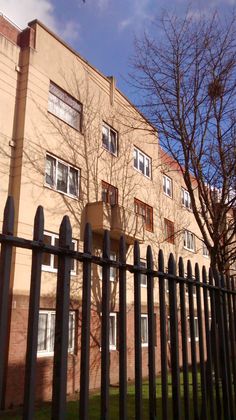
[43, 413]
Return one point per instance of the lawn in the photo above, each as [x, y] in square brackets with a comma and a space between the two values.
[43, 413]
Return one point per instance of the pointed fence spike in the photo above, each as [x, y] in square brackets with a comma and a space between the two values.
[161, 265]
[181, 267]
[149, 257]
[204, 274]
[136, 253]
[189, 269]
[9, 214]
[65, 233]
[171, 264]
[197, 272]
[39, 224]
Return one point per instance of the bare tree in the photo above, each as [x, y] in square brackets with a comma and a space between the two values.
[186, 72]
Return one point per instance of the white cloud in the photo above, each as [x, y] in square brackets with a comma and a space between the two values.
[21, 12]
[140, 13]
[71, 31]
[102, 4]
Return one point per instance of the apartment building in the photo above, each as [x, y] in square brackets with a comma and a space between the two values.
[73, 143]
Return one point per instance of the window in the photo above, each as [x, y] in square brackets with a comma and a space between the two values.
[186, 200]
[146, 212]
[109, 194]
[112, 269]
[189, 240]
[143, 279]
[167, 186]
[196, 329]
[112, 331]
[142, 162]
[144, 330]
[61, 176]
[109, 139]
[46, 332]
[50, 261]
[205, 251]
[169, 231]
[64, 106]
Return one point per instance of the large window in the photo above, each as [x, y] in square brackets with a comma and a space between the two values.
[142, 162]
[50, 261]
[113, 270]
[205, 251]
[196, 329]
[109, 193]
[64, 106]
[142, 209]
[109, 139]
[143, 279]
[186, 200]
[46, 332]
[61, 176]
[144, 330]
[189, 240]
[167, 186]
[112, 331]
[169, 231]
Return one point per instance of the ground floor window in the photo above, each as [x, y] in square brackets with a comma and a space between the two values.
[46, 332]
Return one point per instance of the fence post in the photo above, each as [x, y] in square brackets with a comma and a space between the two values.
[151, 337]
[174, 340]
[33, 318]
[122, 333]
[62, 323]
[209, 362]
[192, 335]
[105, 356]
[137, 334]
[5, 296]
[162, 302]
[85, 327]
[201, 345]
[184, 339]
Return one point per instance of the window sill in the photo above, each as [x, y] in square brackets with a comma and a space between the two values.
[111, 153]
[140, 172]
[74, 197]
[65, 122]
[167, 195]
[54, 271]
[190, 250]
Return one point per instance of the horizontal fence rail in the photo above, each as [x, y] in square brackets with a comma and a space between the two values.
[191, 337]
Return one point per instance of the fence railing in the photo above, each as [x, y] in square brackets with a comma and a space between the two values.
[210, 299]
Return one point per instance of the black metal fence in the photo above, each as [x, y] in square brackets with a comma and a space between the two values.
[210, 297]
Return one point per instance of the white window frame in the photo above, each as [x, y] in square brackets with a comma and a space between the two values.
[185, 199]
[147, 163]
[110, 132]
[205, 251]
[143, 277]
[50, 268]
[167, 191]
[113, 270]
[196, 329]
[49, 351]
[145, 343]
[188, 241]
[63, 106]
[113, 344]
[53, 185]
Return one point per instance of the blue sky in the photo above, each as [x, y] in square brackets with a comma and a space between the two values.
[102, 31]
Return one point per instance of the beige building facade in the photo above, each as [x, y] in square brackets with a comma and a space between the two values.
[73, 143]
